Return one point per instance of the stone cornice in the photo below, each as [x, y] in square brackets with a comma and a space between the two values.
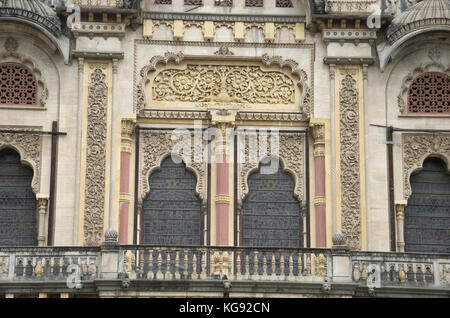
[343, 60]
[224, 17]
[98, 55]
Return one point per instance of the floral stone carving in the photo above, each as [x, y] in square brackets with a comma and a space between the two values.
[350, 162]
[156, 145]
[416, 148]
[95, 157]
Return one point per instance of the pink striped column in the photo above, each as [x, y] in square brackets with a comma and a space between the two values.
[222, 199]
[318, 133]
[125, 197]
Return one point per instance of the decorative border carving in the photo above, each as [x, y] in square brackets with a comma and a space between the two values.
[30, 148]
[94, 204]
[11, 45]
[156, 145]
[349, 158]
[291, 155]
[402, 98]
[416, 148]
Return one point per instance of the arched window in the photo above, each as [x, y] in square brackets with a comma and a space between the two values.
[18, 85]
[172, 210]
[17, 202]
[270, 212]
[427, 214]
[429, 93]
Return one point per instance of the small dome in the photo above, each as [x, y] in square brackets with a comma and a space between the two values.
[423, 14]
[33, 10]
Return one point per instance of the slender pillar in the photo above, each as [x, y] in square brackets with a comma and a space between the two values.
[222, 199]
[400, 211]
[125, 159]
[318, 133]
[42, 202]
[223, 120]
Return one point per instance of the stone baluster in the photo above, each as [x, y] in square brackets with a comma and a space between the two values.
[255, 266]
[308, 264]
[150, 265]
[168, 270]
[238, 266]
[291, 267]
[177, 265]
[186, 264]
[273, 267]
[203, 265]
[264, 264]
[299, 266]
[194, 266]
[159, 273]
[282, 274]
[212, 265]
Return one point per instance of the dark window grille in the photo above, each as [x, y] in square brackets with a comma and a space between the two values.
[224, 3]
[163, 2]
[253, 3]
[284, 4]
[427, 214]
[17, 202]
[172, 210]
[17, 85]
[271, 213]
[429, 93]
[192, 2]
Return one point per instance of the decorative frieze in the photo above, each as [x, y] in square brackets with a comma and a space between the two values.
[241, 84]
[156, 145]
[29, 147]
[416, 148]
[96, 143]
[350, 6]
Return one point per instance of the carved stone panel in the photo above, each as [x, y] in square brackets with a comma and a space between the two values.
[156, 145]
[291, 153]
[29, 148]
[417, 147]
[94, 200]
[349, 118]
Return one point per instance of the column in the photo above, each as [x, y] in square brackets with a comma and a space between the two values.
[400, 213]
[128, 125]
[42, 202]
[318, 133]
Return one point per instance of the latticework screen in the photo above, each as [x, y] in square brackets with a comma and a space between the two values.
[429, 93]
[17, 85]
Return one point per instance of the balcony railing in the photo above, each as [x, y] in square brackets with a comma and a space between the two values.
[118, 268]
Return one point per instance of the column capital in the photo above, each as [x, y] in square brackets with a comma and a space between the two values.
[318, 134]
[127, 130]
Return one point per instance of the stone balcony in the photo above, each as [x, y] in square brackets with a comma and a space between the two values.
[114, 270]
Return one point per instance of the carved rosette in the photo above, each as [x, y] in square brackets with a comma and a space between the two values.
[416, 148]
[30, 148]
[291, 154]
[350, 161]
[94, 204]
[156, 145]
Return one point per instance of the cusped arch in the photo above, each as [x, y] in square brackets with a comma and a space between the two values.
[157, 145]
[28, 147]
[416, 149]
